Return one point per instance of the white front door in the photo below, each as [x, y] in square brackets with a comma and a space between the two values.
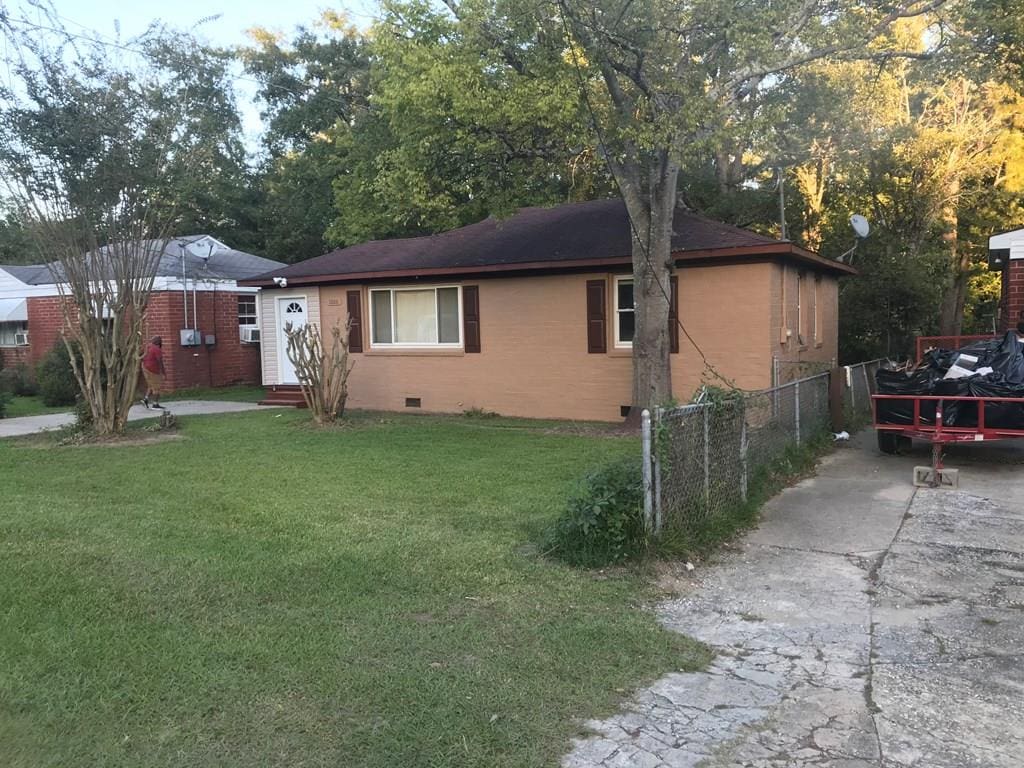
[289, 310]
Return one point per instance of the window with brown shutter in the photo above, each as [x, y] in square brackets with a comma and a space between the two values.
[471, 317]
[597, 329]
[355, 314]
[673, 315]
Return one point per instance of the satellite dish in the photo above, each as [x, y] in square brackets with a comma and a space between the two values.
[860, 225]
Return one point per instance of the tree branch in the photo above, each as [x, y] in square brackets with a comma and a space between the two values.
[757, 71]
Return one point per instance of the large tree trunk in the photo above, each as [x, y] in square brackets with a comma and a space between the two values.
[729, 168]
[952, 319]
[811, 179]
[652, 269]
[952, 315]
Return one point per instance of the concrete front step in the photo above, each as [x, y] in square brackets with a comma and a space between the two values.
[284, 396]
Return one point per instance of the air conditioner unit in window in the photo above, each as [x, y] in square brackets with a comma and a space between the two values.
[249, 334]
[21, 338]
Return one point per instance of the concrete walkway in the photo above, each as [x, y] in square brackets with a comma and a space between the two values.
[28, 425]
[862, 624]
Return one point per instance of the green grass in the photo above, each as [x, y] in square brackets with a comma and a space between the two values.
[259, 592]
[32, 406]
[241, 393]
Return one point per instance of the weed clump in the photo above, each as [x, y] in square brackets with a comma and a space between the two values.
[603, 520]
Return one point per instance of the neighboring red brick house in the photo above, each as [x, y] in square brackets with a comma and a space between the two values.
[208, 322]
[1006, 255]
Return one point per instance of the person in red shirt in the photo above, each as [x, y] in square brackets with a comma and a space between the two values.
[153, 371]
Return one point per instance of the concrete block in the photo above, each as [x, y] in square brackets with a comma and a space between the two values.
[926, 477]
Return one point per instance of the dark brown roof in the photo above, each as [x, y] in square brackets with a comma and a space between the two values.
[575, 234]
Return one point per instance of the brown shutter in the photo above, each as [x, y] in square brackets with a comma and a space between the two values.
[355, 314]
[471, 317]
[673, 315]
[597, 325]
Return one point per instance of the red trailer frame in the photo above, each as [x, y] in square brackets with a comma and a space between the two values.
[939, 434]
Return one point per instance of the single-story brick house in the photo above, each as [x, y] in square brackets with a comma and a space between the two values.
[532, 315]
[195, 289]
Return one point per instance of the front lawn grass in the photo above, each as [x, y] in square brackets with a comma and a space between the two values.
[32, 405]
[259, 592]
[240, 393]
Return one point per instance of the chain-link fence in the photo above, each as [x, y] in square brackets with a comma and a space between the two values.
[701, 460]
[787, 371]
[858, 386]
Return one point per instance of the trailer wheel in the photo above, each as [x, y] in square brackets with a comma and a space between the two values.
[888, 442]
[893, 443]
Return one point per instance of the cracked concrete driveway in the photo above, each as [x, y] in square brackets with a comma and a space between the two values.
[862, 624]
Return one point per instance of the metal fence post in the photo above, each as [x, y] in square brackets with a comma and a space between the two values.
[743, 458]
[853, 390]
[796, 409]
[645, 443]
[707, 457]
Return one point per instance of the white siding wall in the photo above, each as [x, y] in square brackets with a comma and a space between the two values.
[268, 336]
[268, 327]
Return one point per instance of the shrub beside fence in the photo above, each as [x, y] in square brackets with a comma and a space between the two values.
[703, 459]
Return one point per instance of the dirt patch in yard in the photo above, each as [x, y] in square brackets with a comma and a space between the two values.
[48, 440]
[130, 440]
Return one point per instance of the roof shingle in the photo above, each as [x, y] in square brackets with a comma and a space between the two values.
[598, 229]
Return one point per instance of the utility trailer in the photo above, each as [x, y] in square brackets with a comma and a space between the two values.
[926, 423]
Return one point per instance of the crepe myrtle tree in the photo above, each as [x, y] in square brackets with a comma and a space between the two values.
[665, 81]
[322, 370]
[91, 149]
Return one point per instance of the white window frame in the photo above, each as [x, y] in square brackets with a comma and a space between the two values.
[615, 304]
[412, 344]
[255, 311]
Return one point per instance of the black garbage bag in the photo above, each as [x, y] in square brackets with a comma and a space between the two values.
[957, 413]
[920, 381]
[986, 351]
[999, 415]
[1007, 359]
[940, 360]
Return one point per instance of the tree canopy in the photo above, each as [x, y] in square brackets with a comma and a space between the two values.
[442, 113]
